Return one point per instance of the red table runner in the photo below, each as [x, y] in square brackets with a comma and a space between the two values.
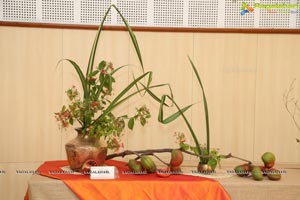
[130, 186]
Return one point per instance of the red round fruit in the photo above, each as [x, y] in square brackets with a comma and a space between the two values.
[163, 173]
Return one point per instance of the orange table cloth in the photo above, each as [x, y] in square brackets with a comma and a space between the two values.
[140, 187]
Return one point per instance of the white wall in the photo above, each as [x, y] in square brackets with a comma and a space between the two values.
[244, 75]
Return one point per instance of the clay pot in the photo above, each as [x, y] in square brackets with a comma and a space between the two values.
[84, 148]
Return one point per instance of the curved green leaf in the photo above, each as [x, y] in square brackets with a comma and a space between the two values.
[174, 116]
[121, 94]
[81, 76]
[132, 36]
[205, 105]
[95, 44]
[136, 92]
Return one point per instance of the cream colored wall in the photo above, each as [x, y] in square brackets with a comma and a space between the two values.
[244, 75]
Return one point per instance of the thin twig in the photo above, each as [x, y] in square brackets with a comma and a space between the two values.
[151, 152]
[138, 152]
[160, 160]
[296, 109]
[231, 156]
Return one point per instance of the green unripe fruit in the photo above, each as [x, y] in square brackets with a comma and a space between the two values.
[148, 164]
[134, 165]
[269, 159]
[257, 174]
[241, 170]
[274, 174]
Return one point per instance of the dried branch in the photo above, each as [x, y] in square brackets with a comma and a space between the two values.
[294, 109]
[139, 153]
[167, 164]
[152, 152]
[231, 156]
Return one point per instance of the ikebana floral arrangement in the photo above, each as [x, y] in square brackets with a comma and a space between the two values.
[93, 112]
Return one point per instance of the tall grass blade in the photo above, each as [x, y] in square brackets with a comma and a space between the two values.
[205, 106]
[132, 36]
[95, 44]
[81, 76]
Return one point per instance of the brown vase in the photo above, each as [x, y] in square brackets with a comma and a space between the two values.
[204, 169]
[84, 148]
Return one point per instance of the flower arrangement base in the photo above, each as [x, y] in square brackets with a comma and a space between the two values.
[204, 169]
[83, 149]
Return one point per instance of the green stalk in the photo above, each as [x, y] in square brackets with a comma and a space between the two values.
[205, 106]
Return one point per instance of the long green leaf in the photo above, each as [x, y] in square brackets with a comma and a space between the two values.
[148, 84]
[119, 68]
[132, 36]
[95, 44]
[121, 94]
[151, 93]
[135, 44]
[94, 49]
[147, 89]
[136, 92]
[81, 76]
[205, 106]
[174, 116]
